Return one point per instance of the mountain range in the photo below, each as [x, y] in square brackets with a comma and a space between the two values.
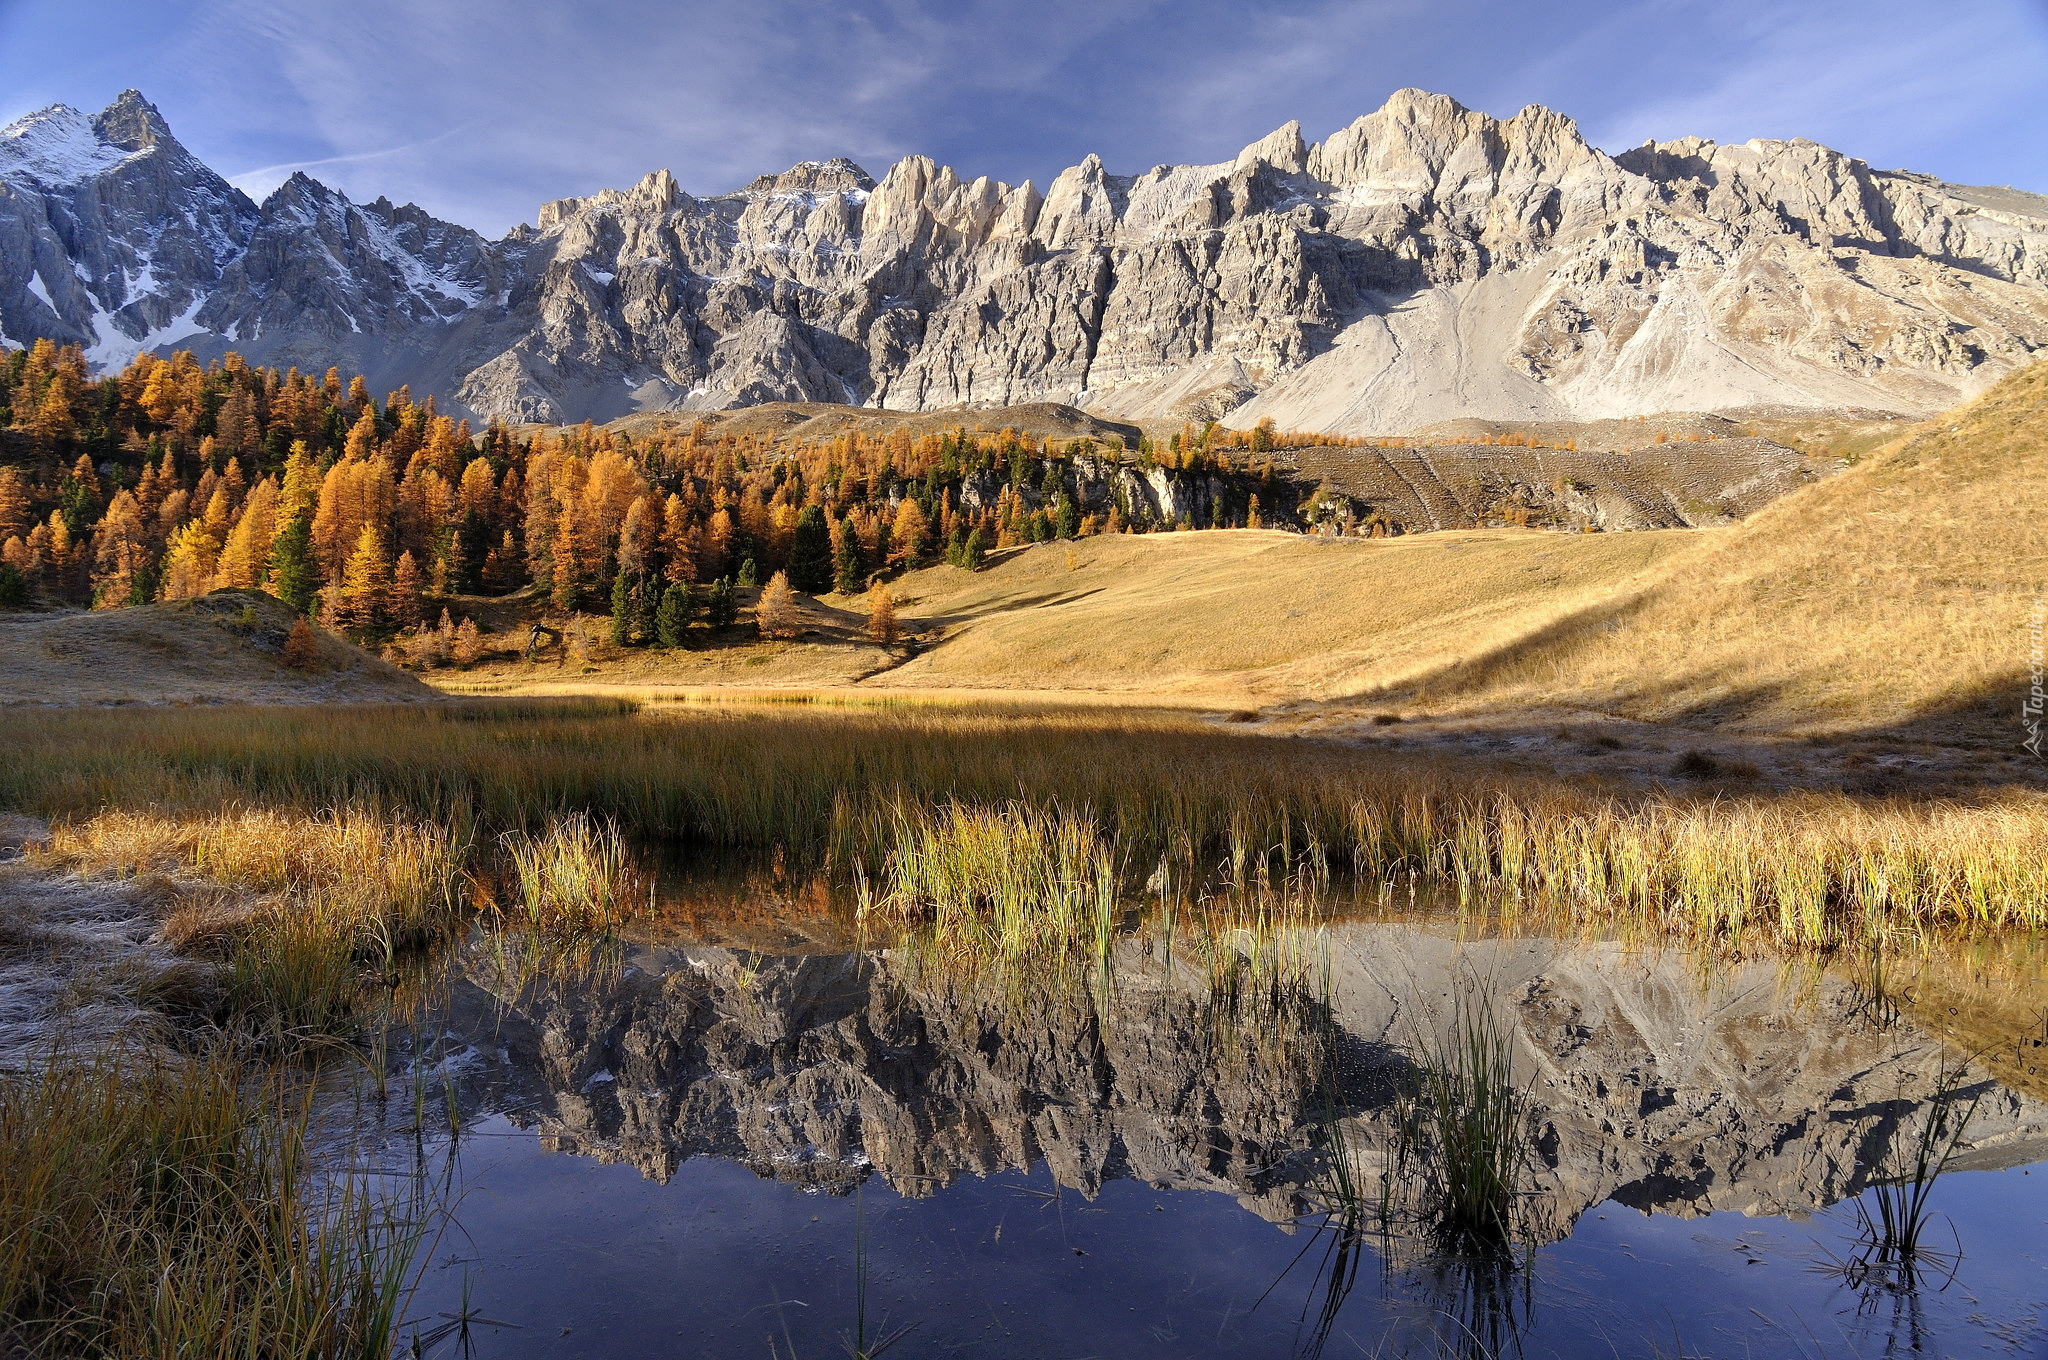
[1425, 263]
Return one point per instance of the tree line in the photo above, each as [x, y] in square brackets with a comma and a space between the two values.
[172, 478]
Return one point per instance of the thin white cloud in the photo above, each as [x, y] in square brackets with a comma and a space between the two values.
[481, 112]
[1890, 80]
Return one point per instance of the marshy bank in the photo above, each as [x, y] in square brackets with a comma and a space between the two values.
[1162, 791]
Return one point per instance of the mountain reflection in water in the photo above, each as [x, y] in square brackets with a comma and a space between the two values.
[1658, 1081]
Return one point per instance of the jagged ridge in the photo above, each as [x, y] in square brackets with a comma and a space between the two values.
[1424, 263]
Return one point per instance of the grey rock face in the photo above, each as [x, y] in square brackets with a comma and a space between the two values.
[1424, 263]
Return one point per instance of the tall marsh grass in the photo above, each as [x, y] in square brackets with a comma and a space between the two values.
[1895, 1217]
[1473, 1125]
[297, 907]
[845, 787]
[170, 1208]
[1005, 881]
[575, 879]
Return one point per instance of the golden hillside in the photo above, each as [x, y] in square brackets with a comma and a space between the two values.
[1261, 615]
[1895, 594]
[1889, 598]
[220, 648]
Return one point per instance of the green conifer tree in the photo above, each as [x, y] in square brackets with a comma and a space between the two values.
[672, 619]
[849, 569]
[721, 604]
[620, 633]
[472, 546]
[294, 577]
[646, 603]
[810, 552]
[975, 554]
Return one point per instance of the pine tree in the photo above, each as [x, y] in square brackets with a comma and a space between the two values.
[775, 612]
[849, 568]
[722, 605]
[750, 574]
[646, 599]
[620, 631]
[293, 574]
[472, 546]
[810, 553]
[974, 555]
[672, 619]
[1066, 519]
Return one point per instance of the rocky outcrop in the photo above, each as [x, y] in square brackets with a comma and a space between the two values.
[1425, 262]
[1654, 1084]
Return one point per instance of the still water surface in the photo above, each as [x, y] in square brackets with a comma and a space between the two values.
[694, 1148]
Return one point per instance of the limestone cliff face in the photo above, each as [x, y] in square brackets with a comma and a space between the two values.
[1424, 263]
[1653, 1085]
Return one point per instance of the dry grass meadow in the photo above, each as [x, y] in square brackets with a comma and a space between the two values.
[1892, 599]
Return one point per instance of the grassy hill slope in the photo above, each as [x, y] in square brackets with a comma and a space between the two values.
[1891, 600]
[219, 648]
[1260, 614]
[1896, 594]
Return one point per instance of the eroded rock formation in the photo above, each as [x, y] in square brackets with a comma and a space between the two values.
[1423, 263]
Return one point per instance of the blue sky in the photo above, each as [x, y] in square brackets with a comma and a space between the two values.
[481, 112]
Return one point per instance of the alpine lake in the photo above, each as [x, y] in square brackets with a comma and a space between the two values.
[748, 1127]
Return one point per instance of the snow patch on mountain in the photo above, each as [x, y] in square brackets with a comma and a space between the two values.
[37, 288]
[417, 276]
[55, 146]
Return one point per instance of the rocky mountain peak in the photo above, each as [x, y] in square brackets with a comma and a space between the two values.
[1424, 263]
[836, 176]
[133, 124]
[1282, 148]
[657, 192]
[55, 145]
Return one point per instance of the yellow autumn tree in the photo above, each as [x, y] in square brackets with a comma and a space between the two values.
[355, 493]
[775, 613]
[365, 589]
[190, 562]
[14, 513]
[678, 541]
[407, 598]
[908, 534]
[246, 557]
[121, 554]
[301, 491]
[160, 393]
[881, 615]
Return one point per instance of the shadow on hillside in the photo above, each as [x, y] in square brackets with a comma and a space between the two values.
[1971, 740]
